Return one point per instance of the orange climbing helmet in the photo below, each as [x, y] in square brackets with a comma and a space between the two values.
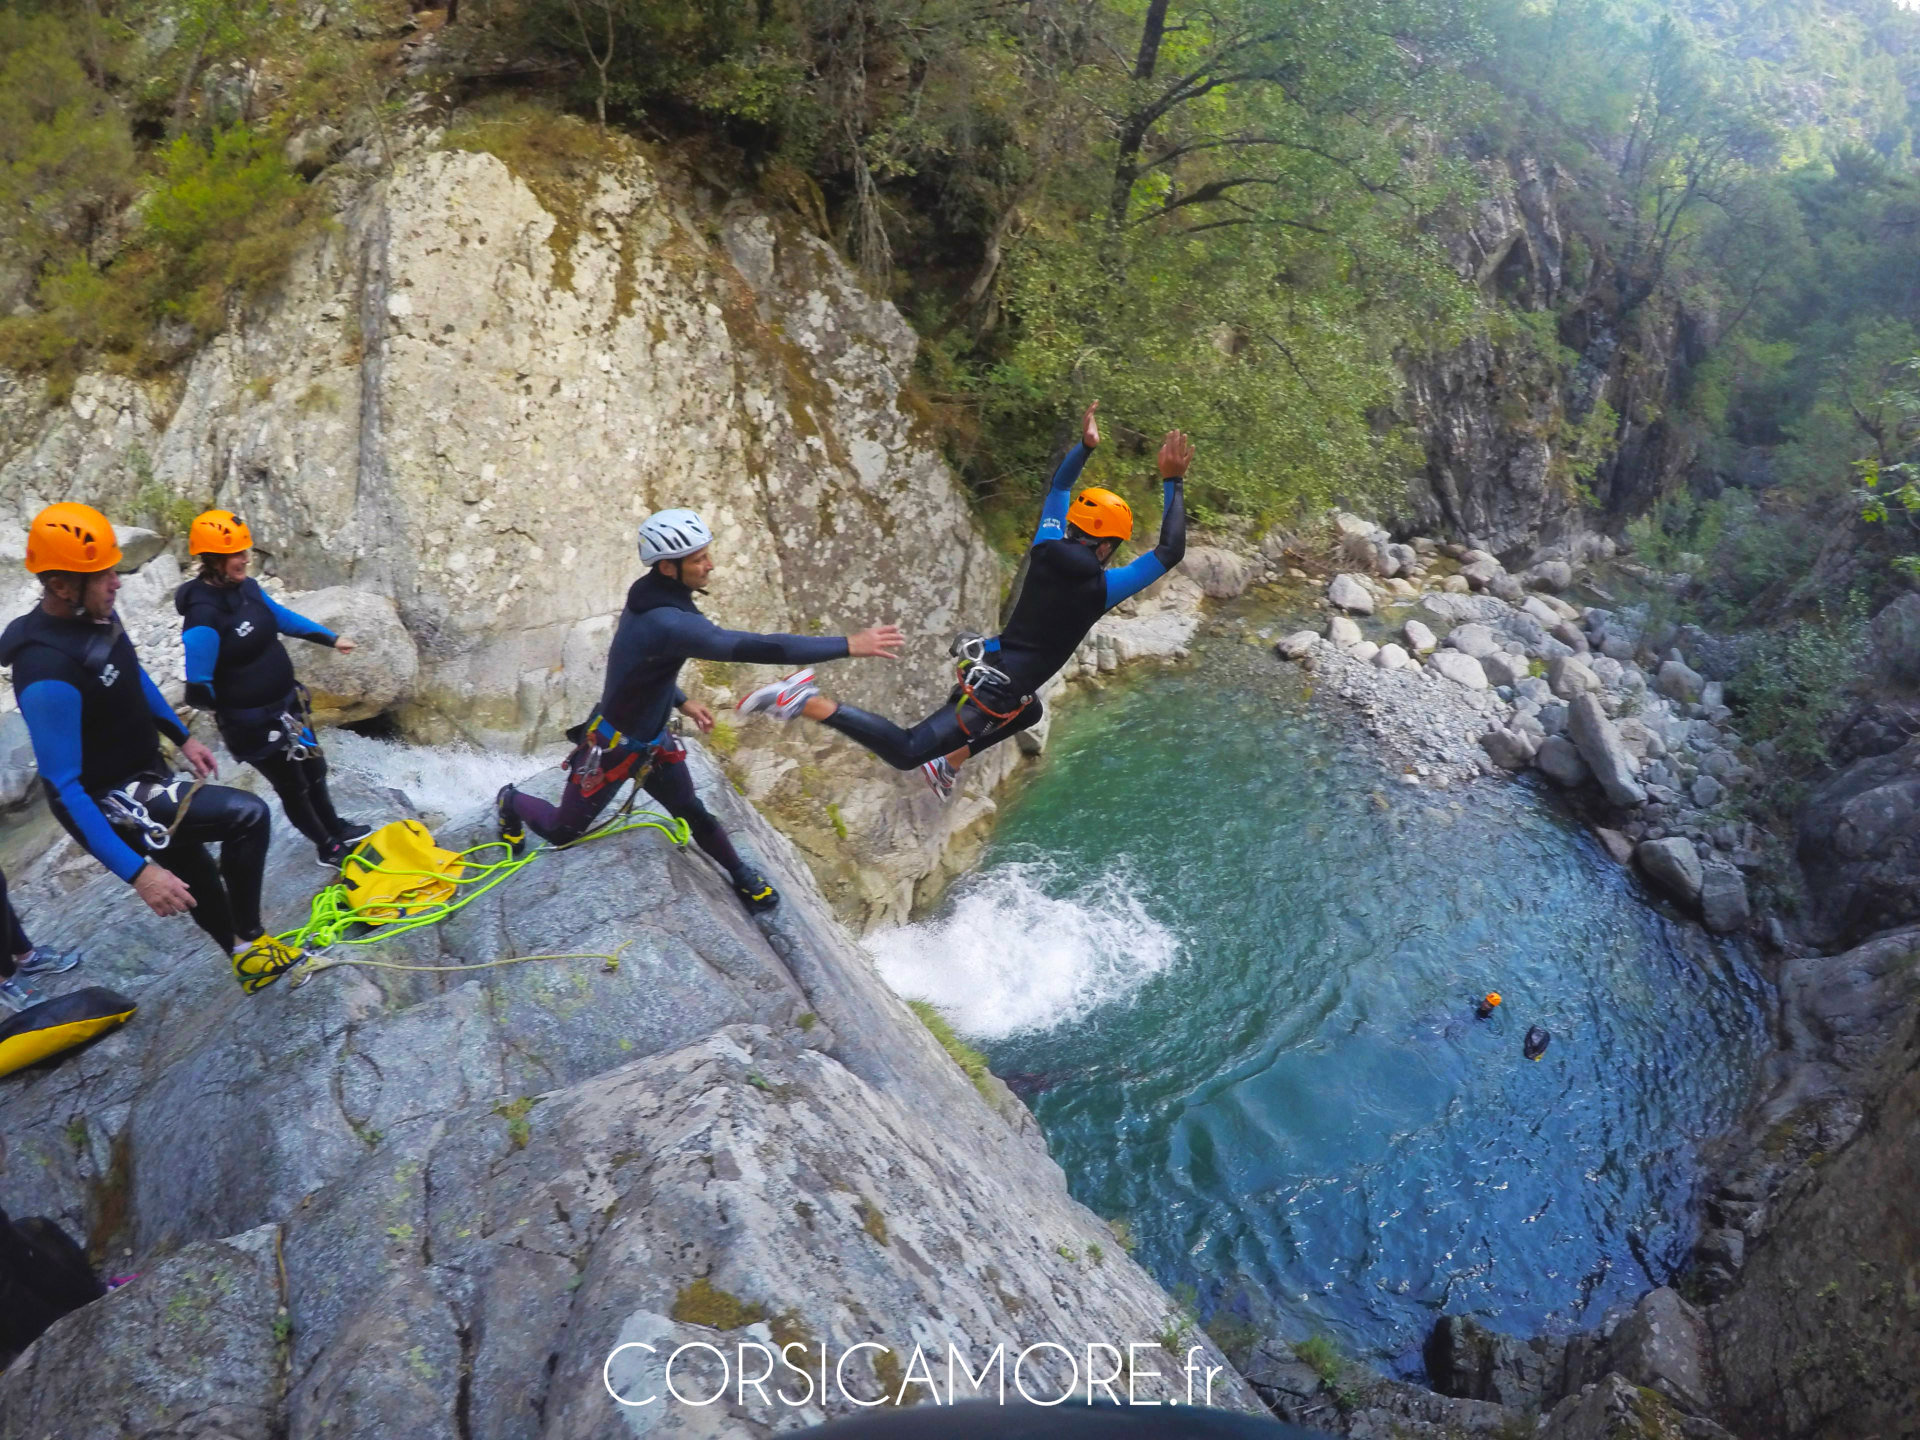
[72, 537]
[1101, 514]
[218, 532]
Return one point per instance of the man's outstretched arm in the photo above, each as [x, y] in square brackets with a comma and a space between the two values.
[1176, 455]
[1053, 513]
[677, 632]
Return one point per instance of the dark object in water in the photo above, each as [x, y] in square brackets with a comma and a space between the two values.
[1535, 1045]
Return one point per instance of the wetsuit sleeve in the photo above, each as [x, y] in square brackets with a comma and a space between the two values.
[1053, 514]
[296, 626]
[679, 697]
[51, 709]
[202, 644]
[1133, 577]
[163, 715]
[694, 637]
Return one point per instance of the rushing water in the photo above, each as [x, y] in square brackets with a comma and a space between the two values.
[1233, 972]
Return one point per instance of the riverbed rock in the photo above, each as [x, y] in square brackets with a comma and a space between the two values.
[1420, 640]
[1617, 845]
[1343, 632]
[1560, 761]
[1569, 676]
[1365, 651]
[1678, 681]
[1509, 749]
[1459, 668]
[1724, 907]
[1664, 1345]
[1473, 639]
[1503, 668]
[1220, 573]
[1706, 791]
[378, 676]
[1346, 592]
[1458, 609]
[1296, 645]
[1480, 573]
[1538, 608]
[1554, 575]
[1392, 657]
[1674, 865]
[1590, 729]
[1569, 635]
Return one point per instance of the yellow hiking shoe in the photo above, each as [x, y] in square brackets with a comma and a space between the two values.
[263, 962]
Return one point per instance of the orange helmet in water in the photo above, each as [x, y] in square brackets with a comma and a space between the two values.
[73, 537]
[218, 532]
[1101, 514]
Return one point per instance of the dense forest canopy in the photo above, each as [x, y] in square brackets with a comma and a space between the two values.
[1244, 217]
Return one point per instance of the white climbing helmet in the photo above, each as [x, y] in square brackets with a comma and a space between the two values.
[670, 534]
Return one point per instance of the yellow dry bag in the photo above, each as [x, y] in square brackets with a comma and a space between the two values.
[397, 872]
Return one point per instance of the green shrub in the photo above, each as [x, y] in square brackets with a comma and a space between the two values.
[970, 1060]
[1799, 680]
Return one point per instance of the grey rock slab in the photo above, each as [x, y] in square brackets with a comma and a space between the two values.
[1509, 749]
[1569, 676]
[1343, 632]
[1560, 761]
[1614, 1408]
[1474, 639]
[1221, 574]
[1348, 593]
[1552, 575]
[1896, 637]
[1678, 681]
[1296, 645]
[1664, 1345]
[1420, 639]
[1457, 609]
[1724, 906]
[1674, 865]
[1706, 791]
[1392, 657]
[1462, 669]
[137, 547]
[1504, 669]
[1612, 765]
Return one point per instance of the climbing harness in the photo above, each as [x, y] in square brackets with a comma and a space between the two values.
[595, 740]
[397, 880]
[989, 689]
[126, 807]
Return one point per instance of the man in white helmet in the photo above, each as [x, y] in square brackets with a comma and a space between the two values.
[660, 629]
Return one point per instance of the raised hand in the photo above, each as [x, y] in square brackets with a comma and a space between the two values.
[880, 642]
[1090, 427]
[1176, 456]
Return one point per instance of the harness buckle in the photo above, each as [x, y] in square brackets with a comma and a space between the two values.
[126, 808]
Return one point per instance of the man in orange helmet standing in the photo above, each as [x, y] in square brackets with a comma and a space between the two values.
[95, 718]
[1068, 588]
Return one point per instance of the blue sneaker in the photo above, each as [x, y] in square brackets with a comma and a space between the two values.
[16, 996]
[43, 961]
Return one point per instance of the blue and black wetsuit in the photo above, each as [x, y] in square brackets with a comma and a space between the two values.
[95, 718]
[659, 631]
[238, 669]
[1066, 592]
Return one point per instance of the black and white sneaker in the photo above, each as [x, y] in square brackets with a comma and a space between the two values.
[940, 776]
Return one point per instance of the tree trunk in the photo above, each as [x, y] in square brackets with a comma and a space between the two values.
[1133, 134]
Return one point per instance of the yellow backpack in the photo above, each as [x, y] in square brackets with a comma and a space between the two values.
[398, 872]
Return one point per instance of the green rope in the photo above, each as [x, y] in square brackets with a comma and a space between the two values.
[330, 918]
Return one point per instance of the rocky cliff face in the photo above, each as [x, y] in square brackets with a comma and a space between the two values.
[433, 1201]
[467, 394]
[1500, 416]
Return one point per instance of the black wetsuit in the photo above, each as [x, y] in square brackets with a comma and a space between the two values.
[660, 630]
[238, 668]
[95, 718]
[1066, 592]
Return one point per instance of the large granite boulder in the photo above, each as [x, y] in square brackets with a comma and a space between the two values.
[1220, 573]
[1896, 638]
[1859, 846]
[1674, 865]
[1612, 765]
[376, 677]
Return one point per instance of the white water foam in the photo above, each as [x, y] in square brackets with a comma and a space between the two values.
[443, 780]
[1008, 955]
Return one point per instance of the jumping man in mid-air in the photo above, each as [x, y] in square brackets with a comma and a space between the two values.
[660, 629]
[1068, 588]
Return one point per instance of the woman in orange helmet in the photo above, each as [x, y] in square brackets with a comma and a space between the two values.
[238, 669]
[1068, 588]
